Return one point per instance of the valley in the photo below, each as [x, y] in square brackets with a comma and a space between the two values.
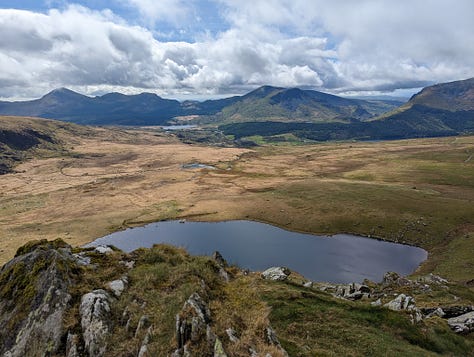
[412, 191]
[75, 184]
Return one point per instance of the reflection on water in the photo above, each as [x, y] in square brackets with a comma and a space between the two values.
[340, 258]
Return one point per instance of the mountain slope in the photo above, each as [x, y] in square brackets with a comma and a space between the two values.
[446, 106]
[22, 137]
[452, 96]
[112, 108]
[293, 104]
[264, 103]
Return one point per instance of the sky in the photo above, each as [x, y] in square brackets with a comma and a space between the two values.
[200, 49]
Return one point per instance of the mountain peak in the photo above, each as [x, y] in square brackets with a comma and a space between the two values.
[62, 93]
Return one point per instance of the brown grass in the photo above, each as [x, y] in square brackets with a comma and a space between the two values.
[414, 191]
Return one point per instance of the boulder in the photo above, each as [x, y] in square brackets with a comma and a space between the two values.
[118, 286]
[95, 321]
[401, 302]
[432, 279]
[462, 323]
[276, 273]
[103, 249]
[353, 291]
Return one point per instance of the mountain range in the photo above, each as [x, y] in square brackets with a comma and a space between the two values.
[439, 110]
[264, 103]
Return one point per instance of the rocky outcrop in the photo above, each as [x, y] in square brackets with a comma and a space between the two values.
[34, 298]
[401, 302]
[276, 273]
[95, 321]
[272, 339]
[353, 291]
[193, 331]
[393, 279]
[462, 323]
[222, 264]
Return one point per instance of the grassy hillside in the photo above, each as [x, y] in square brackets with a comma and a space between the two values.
[159, 281]
[22, 138]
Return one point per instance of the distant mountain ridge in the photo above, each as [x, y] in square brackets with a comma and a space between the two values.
[264, 103]
[440, 110]
[112, 108]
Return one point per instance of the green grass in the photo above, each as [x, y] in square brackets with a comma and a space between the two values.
[314, 324]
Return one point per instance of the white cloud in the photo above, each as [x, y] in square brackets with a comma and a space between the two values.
[172, 11]
[339, 46]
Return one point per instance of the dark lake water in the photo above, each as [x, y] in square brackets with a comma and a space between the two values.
[341, 258]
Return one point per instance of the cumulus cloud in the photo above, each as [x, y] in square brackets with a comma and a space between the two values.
[173, 11]
[337, 46]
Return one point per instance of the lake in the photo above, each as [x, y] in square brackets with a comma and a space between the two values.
[340, 258]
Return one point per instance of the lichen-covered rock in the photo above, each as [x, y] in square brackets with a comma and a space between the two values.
[276, 273]
[95, 321]
[219, 349]
[34, 298]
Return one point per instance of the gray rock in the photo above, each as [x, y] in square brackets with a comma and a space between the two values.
[72, 344]
[142, 323]
[144, 346]
[129, 264]
[436, 312]
[462, 323]
[433, 279]
[192, 321]
[276, 273]
[103, 249]
[219, 259]
[453, 311]
[377, 302]
[95, 321]
[353, 291]
[232, 335]
[392, 278]
[272, 339]
[118, 286]
[308, 284]
[82, 259]
[401, 302]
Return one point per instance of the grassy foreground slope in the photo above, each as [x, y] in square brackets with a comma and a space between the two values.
[159, 281]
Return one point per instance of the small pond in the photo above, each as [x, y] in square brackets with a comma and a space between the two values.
[179, 127]
[197, 165]
[341, 258]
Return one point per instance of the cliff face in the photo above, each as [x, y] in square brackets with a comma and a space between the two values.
[56, 300]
